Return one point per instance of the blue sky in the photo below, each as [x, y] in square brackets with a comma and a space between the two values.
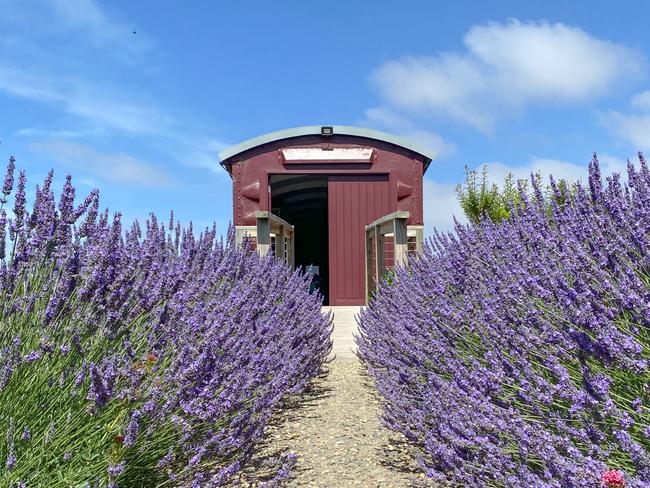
[137, 98]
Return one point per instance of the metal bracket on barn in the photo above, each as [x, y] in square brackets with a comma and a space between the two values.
[271, 232]
[405, 239]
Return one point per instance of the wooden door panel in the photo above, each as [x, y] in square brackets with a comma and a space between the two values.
[353, 203]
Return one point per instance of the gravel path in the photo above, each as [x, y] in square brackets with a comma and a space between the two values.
[335, 430]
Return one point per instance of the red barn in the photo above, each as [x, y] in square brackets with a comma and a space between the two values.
[346, 201]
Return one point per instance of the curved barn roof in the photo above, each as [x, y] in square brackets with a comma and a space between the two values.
[308, 130]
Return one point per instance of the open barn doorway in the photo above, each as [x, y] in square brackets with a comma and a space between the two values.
[301, 200]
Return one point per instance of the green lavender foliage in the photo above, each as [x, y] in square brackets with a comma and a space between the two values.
[44, 408]
[480, 200]
[131, 360]
[517, 354]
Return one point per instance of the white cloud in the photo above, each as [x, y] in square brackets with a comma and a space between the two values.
[104, 109]
[633, 127]
[504, 68]
[391, 121]
[560, 169]
[55, 134]
[386, 117]
[550, 60]
[641, 101]
[444, 85]
[86, 100]
[89, 182]
[116, 168]
[440, 206]
[441, 203]
[49, 47]
[497, 171]
[200, 152]
[87, 20]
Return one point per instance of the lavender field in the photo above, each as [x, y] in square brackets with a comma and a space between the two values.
[512, 353]
[517, 354]
[140, 356]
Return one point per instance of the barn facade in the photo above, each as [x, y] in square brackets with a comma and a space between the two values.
[343, 202]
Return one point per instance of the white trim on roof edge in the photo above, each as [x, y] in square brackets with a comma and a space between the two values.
[308, 130]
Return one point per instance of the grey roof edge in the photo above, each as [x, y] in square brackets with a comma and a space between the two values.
[307, 130]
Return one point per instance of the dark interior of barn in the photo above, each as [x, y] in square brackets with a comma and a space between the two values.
[301, 200]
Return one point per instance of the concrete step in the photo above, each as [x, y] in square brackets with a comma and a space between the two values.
[345, 327]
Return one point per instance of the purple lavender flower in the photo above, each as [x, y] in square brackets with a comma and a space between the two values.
[20, 200]
[11, 461]
[132, 428]
[33, 356]
[99, 391]
[9, 179]
[115, 470]
[3, 233]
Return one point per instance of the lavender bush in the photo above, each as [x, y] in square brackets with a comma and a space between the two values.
[517, 353]
[141, 357]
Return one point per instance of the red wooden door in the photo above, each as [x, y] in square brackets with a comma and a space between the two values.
[353, 203]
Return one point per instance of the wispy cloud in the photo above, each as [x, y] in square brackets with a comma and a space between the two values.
[115, 168]
[641, 101]
[85, 20]
[91, 106]
[106, 109]
[199, 152]
[504, 68]
[635, 128]
[56, 134]
[632, 126]
[389, 120]
[90, 101]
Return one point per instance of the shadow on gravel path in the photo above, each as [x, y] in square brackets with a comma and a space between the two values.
[335, 430]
